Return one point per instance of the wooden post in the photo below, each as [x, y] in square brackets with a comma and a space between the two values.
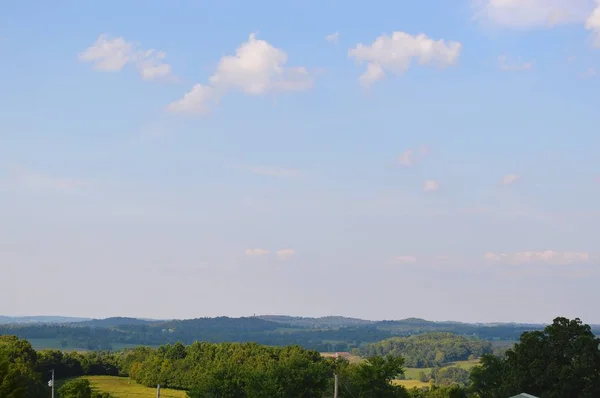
[158, 391]
[52, 383]
[335, 385]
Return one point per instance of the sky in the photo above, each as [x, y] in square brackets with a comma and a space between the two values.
[384, 159]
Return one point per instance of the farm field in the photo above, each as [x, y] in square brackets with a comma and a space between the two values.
[123, 387]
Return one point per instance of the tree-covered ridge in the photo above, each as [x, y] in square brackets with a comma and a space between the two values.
[429, 349]
[322, 334]
[203, 329]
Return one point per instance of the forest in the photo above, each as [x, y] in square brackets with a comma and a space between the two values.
[321, 334]
[562, 360]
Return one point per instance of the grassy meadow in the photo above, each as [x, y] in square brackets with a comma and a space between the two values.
[412, 374]
[123, 387]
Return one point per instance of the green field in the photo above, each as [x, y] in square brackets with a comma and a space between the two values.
[412, 374]
[123, 387]
[411, 383]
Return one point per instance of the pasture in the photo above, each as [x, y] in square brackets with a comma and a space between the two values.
[123, 387]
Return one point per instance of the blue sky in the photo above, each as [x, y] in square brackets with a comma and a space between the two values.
[384, 160]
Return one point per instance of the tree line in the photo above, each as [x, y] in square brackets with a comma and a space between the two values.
[563, 360]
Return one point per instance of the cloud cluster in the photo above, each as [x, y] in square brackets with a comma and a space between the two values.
[541, 257]
[112, 54]
[257, 68]
[397, 52]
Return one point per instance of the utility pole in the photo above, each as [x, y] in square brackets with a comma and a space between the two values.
[335, 385]
[52, 383]
[158, 391]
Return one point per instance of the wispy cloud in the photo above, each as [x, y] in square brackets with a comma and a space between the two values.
[410, 157]
[431, 185]
[539, 257]
[333, 38]
[531, 13]
[275, 171]
[22, 179]
[256, 252]
[510, 179]
[285, 254]
[506, 64]
[405, 259]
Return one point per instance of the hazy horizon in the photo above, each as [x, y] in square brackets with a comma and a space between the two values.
[436, 160]
[292, 316]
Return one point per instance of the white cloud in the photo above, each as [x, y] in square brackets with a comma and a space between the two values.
[285, 254]
[504, 63]
[333, 38]
[531, 13]
[410, 157]
[593, 23]
[510, 179]
[396, 53]
[256, 252]
[112, 54]
[257, 68]
[431, 185]
[543, 257]
[21, 179]
[406, 259]
[194, 101]
[276, 172]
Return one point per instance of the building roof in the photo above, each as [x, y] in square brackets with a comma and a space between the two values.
[524, 395]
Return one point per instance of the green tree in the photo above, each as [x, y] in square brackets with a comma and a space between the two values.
[373, 378]
[563, 360]
[18, 376]
[77, 388]
[453, 375]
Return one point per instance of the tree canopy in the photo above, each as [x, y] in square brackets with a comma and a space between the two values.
[563, 360]
[429, 349]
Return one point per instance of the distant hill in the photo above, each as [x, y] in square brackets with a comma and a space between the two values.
[40, 319]
[115, 322]
[323, 322]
